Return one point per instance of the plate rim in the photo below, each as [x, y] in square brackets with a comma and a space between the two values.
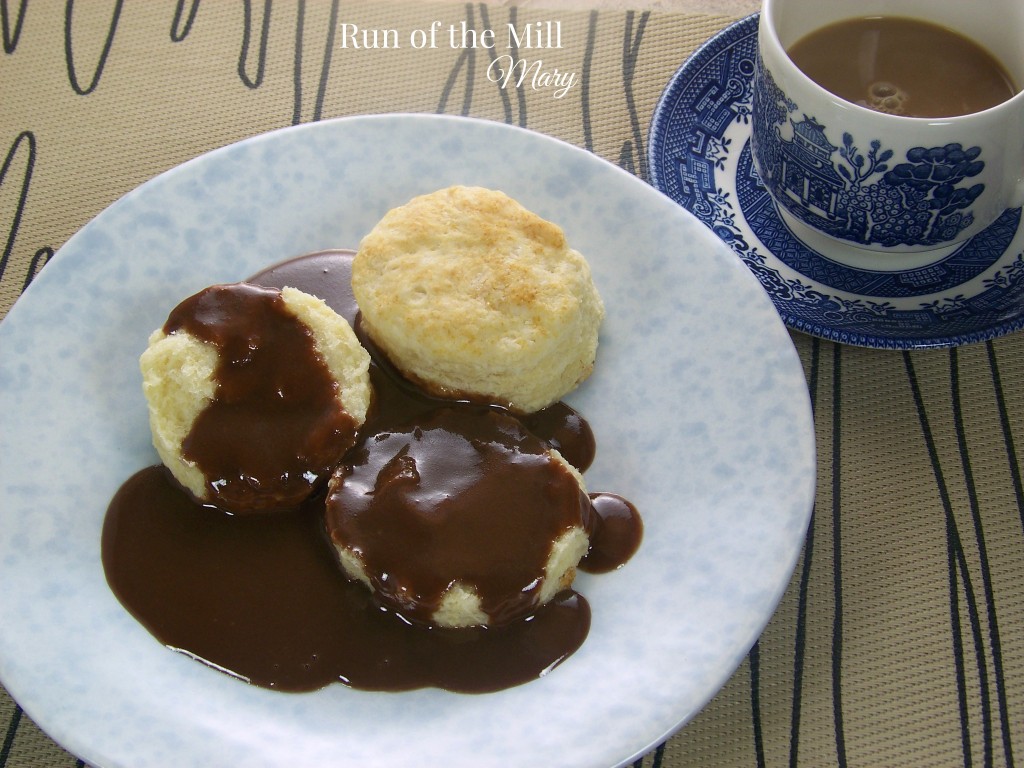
[50, 274]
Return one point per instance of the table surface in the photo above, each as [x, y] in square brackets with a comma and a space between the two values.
[693, 7]
[900, 640]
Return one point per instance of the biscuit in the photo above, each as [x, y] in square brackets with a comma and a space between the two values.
[180, 383]
[459, 520]
[460, 604]
[472, 296]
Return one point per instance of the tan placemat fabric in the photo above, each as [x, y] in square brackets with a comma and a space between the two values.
[901, 638]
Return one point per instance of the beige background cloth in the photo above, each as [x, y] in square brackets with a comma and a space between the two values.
[900, 640]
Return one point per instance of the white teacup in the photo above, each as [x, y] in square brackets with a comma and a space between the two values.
[966, 170]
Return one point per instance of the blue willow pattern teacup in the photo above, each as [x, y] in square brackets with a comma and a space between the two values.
[861, 193]
[876, 181]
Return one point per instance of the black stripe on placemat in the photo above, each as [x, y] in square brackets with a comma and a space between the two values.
[837, 557]
[101, 62]
[957, 566]
[996, 646]
[300, 20]
[466, 59]
[657, 756]
[299, 57]
[800, 644]
[631, 43]
[1004, 422]
[38, 261]
[179, 28]
[11, 34]
[12, 730]
[29, 139]
[754, 657]
[325, 67]
[972, 500]
[588, 61]
[261, 56]
[514, 48]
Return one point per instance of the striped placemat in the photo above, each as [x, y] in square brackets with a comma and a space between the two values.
[900, 640]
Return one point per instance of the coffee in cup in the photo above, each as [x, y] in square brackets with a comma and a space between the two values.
[903, 66]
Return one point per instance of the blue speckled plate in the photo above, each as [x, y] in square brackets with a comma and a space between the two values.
[699, 407]
[699, 153]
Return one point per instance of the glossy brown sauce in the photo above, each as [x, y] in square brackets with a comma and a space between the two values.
[275, 428]
[262, 597]
[455, 495]
[615, 533]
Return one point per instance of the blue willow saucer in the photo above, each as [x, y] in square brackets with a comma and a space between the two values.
[699, 155]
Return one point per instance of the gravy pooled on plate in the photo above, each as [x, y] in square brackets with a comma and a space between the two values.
[264, 597]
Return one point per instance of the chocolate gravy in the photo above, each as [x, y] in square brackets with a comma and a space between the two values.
[455, 495]
[615, 533]
[262, 596]
[275, 427]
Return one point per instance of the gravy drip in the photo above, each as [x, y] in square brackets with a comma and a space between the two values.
[275, 428]
[262, 597]
[615, 534]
